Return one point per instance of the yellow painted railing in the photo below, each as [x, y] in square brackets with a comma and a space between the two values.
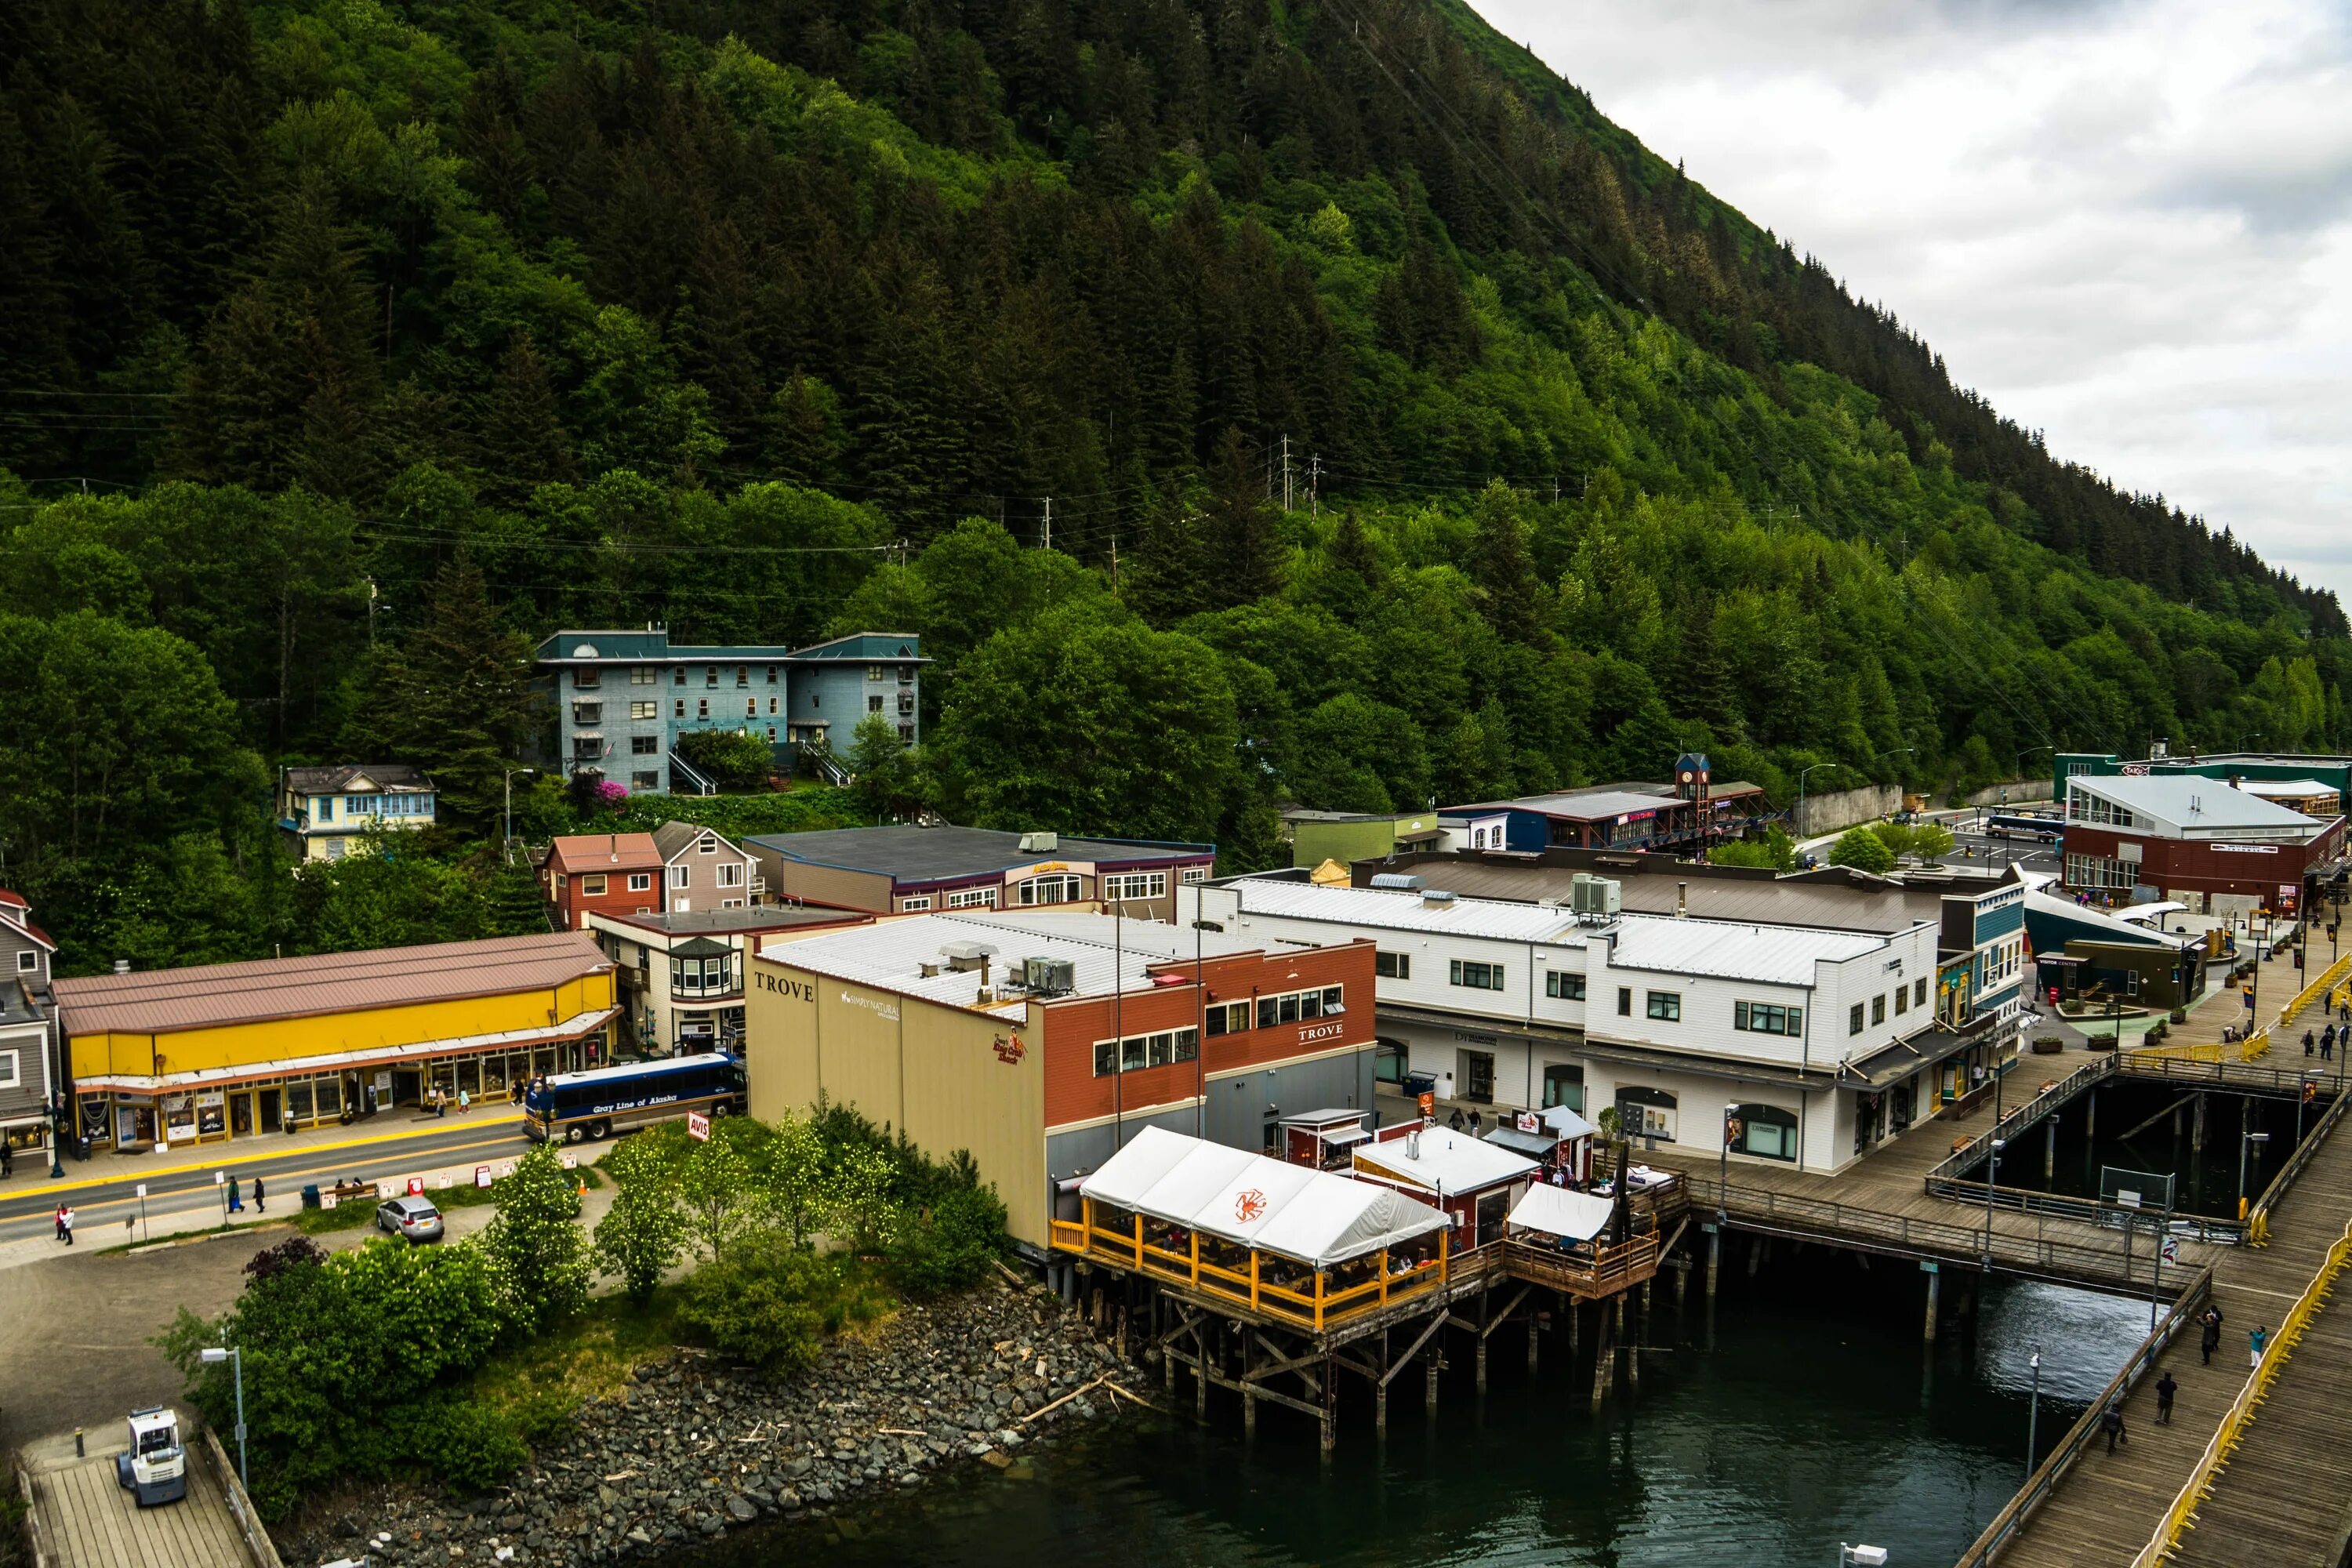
[2182, 1515]
[2257, 1045]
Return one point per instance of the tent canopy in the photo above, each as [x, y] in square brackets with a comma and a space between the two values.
[1556, 1211]
[1443, 1160]
[1310, 1217]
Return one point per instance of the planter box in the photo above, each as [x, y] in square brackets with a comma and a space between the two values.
[2048, 1044]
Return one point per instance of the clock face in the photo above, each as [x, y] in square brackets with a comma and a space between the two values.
[1687, 777]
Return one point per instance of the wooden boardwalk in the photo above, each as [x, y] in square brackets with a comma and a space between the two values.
[2106, 1507]
[86, 1521]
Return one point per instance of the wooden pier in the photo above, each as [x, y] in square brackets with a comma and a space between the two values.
[81, 1519]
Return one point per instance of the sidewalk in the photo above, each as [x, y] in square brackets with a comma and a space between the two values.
[31, 1179]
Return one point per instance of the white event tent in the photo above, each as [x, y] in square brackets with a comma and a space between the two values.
[1307, 1215]
[1556, 1211]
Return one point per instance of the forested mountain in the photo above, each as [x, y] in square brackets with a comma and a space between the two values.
[1406, 428]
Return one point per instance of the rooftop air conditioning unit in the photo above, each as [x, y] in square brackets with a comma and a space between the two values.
[1049, 977]
[1040, 843]
[1397, 881]
[1594, 897]
[1436, 899]
[963, 955]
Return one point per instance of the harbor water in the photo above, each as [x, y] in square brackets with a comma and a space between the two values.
[1805, 1411]
[2151, 1127]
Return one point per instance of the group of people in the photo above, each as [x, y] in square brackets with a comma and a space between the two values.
[2326, 1042]
[2208, 1323]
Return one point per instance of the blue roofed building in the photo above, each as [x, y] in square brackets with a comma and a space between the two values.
[621, 701]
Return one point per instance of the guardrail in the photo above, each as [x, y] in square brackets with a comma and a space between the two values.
[2242, 1410]
[2036, 1254]
[2027, 1112]
[2258, 1218]
[2045, 1478]
[2092, 1211]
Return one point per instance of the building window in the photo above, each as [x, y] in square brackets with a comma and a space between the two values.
[587, 712]
[1564, 1084]
[772, 679]
[1474, 1075]
[1666, 1006]
[8, 1070]
[681, 877]
[972, 899]
[1624, 1001]
[1919, 993]
[1853, 1019]
[731, 874]
[711, 675]
[1293, 1007]
[915, 905]
[336, 847]
[873, 705]
[644, 710]
[771, 705]
[1190, 875]
[1049, 890]
[647, 781]
[816, 700]
[1563, 987]
[641, 881]
[1393, 965]
[326, 808]
[1878, 1009]
[907, 733]
[702, 706]
[743, 675]
[681, 707]
[1228, 1018]
[585, 678]
[1764, 1131]
[1768, 1018]
[1902, 999]
[645, 745]
[1135, 885]
[641, 675]
[592, 885]
[875, 672]
[28, 961]
[1476, 977]
[1136, 1052]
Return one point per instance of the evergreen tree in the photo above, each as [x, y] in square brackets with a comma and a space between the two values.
[1508, 594]
[1245, 557]
[521, 443]
[455, 699]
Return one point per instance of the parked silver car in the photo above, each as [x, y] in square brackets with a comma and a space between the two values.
[413, 1218]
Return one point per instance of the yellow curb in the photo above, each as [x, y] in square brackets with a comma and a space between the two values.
[143, 1173]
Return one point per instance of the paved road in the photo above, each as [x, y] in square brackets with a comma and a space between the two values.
[104, 1189]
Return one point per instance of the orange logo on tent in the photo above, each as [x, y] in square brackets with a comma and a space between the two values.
[1248, 1205]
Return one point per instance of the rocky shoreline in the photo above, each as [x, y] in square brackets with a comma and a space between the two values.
[693, 1449]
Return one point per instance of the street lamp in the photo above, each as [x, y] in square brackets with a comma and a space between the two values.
[506, 780]
[1992, 1172]
[2250, 735]
[57, 1137]
[213, 1355]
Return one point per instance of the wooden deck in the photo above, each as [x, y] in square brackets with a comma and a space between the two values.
[2295, 1464]
[85, 1520]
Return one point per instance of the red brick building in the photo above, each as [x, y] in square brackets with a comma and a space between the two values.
[1041, 1043]
[2218, 850]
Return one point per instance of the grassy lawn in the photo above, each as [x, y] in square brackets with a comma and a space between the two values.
[537, 1385]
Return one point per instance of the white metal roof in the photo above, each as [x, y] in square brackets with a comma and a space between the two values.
[1308, 1215]
[2191, 801]
[1443, 1160]
[2286, 789]
[1779, 955]
[1556, 1211]
[1566, 1123]
[1385, 910]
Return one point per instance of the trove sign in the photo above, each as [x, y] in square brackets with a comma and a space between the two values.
[798, 990]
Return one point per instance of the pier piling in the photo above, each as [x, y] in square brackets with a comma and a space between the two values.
[1713, 1256]
[2050, 1147]
[1929, 1334]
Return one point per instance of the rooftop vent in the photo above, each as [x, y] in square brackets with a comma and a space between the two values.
[1397, 881]
[1593, 898]
[1412, 1145]
[1040, 843]
[1049, 977]
[122, 966]
[963, 955]
[1436, 899]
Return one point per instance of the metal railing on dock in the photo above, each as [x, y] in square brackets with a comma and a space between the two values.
[2045, 1480]
[1602, 1272]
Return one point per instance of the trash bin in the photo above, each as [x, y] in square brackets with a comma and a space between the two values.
[311, 1196]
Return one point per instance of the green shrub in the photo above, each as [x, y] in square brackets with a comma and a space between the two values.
[756, 1304]
[468, 1445]
[949, 1247]
[734, 760]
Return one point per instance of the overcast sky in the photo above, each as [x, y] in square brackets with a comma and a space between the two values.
[2128, 224]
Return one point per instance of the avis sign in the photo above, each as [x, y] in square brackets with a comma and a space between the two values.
[698, 1125]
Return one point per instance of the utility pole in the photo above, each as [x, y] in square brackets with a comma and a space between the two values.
[1315, 485]
[371, 582]
[1048, 542]
[1286, 473]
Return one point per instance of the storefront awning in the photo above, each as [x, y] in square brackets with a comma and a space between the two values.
[1556, 1211]
[570, 1028]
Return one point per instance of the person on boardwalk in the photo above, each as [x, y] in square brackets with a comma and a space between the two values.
[260, 1203]
[2327, 1044]
[2211, 1338]
[2165, 1387]
[2310, 1042]
[2256, 1341]
[2111, 1422]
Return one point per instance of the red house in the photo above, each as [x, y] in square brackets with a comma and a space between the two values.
[601, 873]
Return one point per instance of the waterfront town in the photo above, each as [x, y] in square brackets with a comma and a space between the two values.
[1316, 784]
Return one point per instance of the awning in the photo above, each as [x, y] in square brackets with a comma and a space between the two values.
[1311, 1216]
[1340, 1137]
[1556, 1211]
[571, 1028]
[1567, 1122]
[1533, 1145]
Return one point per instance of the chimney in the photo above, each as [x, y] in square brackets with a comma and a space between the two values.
[612, 847]
[1682, 900]
[1412, 1145]
[122, 966]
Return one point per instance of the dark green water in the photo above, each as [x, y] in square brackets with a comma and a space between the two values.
[2207, 1180]
[1810, 1415]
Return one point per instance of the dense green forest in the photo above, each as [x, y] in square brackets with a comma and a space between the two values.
[1276, 400]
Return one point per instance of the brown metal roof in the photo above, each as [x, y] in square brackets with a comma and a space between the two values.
[210, 995]
[578, 852]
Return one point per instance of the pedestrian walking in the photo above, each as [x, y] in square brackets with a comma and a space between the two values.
[7, 1161]
[464, 1102]
[64, 1223]
[2211, 1340]
[2256, 1341]
[260, 1203]
[235, 1198]
[2310, 1042]
[2165, 1387]
[2111, 1422]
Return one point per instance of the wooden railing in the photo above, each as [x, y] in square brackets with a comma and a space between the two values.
[1314, 1305]
[1605, 1272]
[2009, 1521]
[2023, 1115]
[2242, 1410]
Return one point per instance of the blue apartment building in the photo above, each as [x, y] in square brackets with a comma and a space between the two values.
[622, 698]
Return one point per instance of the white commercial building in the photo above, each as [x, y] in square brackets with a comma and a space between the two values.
[1686, 1027]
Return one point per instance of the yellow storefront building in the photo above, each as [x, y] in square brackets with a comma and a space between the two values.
[230, 1050]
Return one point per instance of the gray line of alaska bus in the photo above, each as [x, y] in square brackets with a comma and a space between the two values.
[578, 1106]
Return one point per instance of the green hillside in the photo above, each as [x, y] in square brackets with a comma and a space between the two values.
[345, 344]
